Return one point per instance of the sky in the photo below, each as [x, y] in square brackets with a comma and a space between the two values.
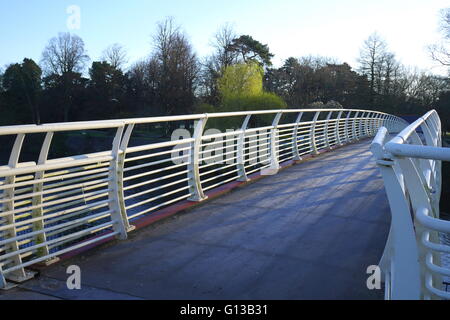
[290, 27]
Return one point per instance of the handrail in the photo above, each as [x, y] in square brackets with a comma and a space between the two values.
[101, 124]
[410, 164]
[54, 206]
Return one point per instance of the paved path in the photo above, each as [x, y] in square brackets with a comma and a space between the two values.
[309, 232]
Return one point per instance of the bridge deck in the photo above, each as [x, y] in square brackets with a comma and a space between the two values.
[308, 232]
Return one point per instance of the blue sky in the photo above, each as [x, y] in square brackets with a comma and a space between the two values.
[289, 27]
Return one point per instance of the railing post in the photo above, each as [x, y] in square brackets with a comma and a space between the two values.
[337, 129]
[274, 165]
[375, 124]
[327, 138]
[312, 134]
[347, 120]
[389, 123]
[37, 200]
[240, 151]
[433, 127]
[195, 186]
[382, 122]
[400, 259]
[419, 198]
[433, 133]
[122, 153]
[432, 167]
[360, 123]
[120, 224]
[3, 283]
[367, 123]
[372, 120]
[435, 122]
[354, 132]
[21, 274]
[295, 150]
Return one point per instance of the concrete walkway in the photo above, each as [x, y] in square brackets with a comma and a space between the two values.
[309, 232]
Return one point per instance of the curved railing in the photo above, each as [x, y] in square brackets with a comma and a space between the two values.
[52, 206]
[411, 164]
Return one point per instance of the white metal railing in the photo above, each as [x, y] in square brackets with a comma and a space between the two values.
[410, 164]
[53, 206]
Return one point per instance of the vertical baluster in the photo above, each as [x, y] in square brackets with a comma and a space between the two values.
[337, 129]
[240, 161]
[312, 134]
[20, 274]
[122, 153]
[354, 121]
[327, 123]
[195, 186]
[38, 200]
[375, 123]
[347, 121]
[367, 124]
[360, 122]
[114, 186]
[274, 165]
[295, 150]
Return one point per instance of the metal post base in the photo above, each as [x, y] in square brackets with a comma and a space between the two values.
[197, 199]
[8, 286]
[131, 228]
[28, 275]
[49, 262]
[270, 171]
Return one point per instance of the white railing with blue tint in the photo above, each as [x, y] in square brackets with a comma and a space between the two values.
[411, 164]
[53, 206]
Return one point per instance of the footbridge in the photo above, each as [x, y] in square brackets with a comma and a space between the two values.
[277, 204]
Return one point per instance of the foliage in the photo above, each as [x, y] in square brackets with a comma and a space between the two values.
[310, 79]
[204, 108]
[261, 101]
[22, 85]
[251, 50]
[241, 79]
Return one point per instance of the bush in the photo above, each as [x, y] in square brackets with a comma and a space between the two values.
[262, 101]
[204, 108]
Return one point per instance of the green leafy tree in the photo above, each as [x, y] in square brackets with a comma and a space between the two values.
[64, 97]
[241, 79]
[241, 89]
[106, 90]
[250, 50]
[22, 84]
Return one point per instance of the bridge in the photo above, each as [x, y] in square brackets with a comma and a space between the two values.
[289, 204]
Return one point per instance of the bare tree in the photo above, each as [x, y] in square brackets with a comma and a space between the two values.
[440, 52]
[371, 59]
[390, 72]
[178, 68]
[64, 54]
[371, 56]
[64, 60]
[222, 42]
[214, 65]
[115, 55]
